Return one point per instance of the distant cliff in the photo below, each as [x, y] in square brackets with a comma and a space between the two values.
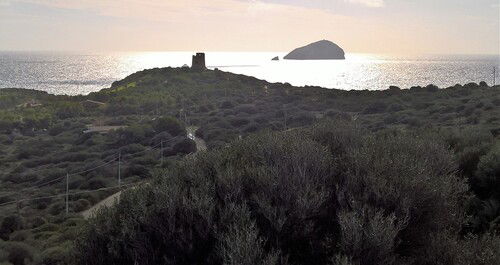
[321, 50]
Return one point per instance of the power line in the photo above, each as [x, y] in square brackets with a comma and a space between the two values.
[69, 194]
[55, 166]
[140, 152]
[94, 168]
[88, 170]
[72, 174]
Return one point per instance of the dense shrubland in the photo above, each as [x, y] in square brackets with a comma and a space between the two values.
[42, 139]
[332, 194]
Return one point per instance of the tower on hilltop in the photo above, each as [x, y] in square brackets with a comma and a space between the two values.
[199, 62]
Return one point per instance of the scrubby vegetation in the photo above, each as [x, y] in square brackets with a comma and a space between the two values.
[332, 194]
[43, 137]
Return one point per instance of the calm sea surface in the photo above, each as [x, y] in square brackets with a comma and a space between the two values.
[66, 73]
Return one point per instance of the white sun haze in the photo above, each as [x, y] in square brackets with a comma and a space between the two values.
[370, 3]
[379, 26]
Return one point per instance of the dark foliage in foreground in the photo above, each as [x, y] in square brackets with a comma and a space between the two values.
[327, 195]
[42, 138]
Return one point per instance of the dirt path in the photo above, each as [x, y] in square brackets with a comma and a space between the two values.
[200, 143]
[111, 200]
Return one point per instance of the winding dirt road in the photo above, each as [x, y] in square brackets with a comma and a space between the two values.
[111, 200]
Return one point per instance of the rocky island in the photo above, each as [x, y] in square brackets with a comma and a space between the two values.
[321, 50]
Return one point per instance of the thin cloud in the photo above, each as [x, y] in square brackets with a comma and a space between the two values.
[368, 3]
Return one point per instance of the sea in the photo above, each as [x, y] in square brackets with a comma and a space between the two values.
[82, 73]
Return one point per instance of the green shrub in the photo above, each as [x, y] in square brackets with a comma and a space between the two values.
[487, 177]
[395, 107]
[186, 146]
[170, 125]
[312, 196]
[80, 205]
[94, 183]
[376, 107]
[57, 129]
[246, 108]
[469, 146]
[163, 136]
[10, 224]
[450, 250]
[239, 122]
[18, 253]
[38, 221]
[251, 128]
[301, 119]
[131, 134]
[22, 235]
[58, 255]
[76, 181]
[57, 208]
[226, 105]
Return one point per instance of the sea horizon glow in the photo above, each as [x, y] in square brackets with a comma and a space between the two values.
[82, 73]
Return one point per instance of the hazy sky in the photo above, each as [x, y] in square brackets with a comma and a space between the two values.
[376, 26]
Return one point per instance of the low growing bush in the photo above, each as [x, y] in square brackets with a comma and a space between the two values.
[314, 196]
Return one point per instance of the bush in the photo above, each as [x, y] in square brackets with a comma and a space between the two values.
[131, 134]
[226, 105]
[238, 122]
[251, 128]
[431, 88]
[301, 119]
[94, 183]
[170, 125]
[163, 136]
[61, 254]
[18, 253]
[376, 107]
[469, 146]
[201, 132]
[449, 250]
[311, 196]
[395, 107]
[246, 108]
[10, 224]
[57, 208]
[38, 221]
[57, 129]
[22, 235]
[487, 177]
[186, 146]
[81, 205]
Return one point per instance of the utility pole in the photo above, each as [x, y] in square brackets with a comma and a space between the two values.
[67, 193]
[119, 169]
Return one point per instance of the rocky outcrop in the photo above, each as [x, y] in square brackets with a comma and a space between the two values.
[321, 50]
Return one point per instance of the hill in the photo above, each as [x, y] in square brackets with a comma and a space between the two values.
[321, 50]
[44, 137]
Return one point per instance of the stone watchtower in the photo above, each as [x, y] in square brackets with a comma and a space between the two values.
[199, 62]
